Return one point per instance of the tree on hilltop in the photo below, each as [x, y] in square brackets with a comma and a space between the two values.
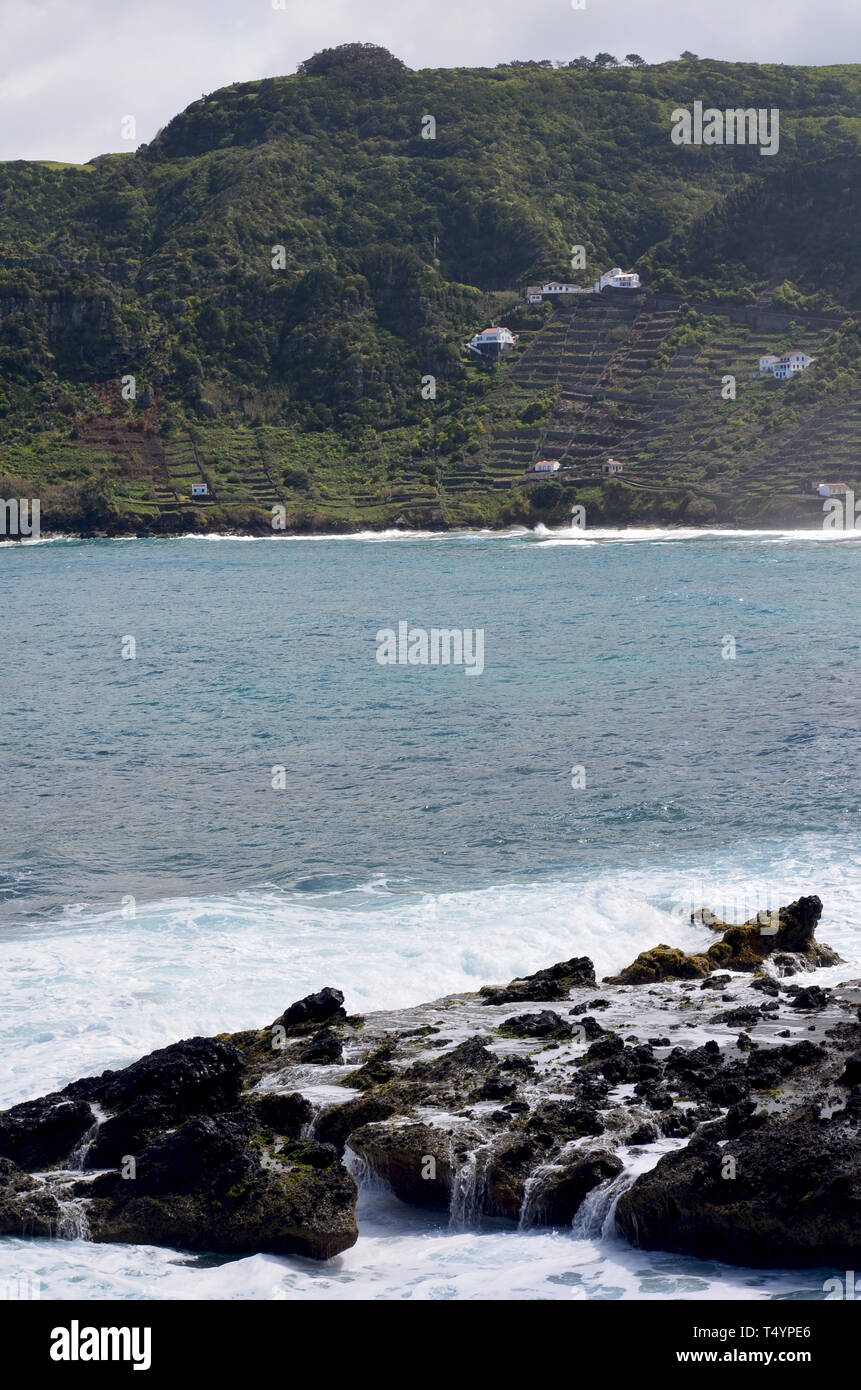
[362, 63]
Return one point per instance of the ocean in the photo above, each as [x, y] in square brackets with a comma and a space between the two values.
[216, 798]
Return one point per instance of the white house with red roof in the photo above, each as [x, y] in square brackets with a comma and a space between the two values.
[493, 342]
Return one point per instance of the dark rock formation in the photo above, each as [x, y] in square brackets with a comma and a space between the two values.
[810, 998]
[662, 963]
[546, 1024]
[791, 1196]
[27, 1207]
[554, 983]
[313, 1010]
[40, 1132]
[324, 1047]
[416, 1160]
[338, 1122]
[787, 937]
[211, 1185]
[558, 1191]
[283, 1113]
[464, 1105]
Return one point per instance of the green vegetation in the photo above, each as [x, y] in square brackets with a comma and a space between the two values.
[289, 259]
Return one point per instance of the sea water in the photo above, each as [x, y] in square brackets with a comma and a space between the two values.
[665, 719]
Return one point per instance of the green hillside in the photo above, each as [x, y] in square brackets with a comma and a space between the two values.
[299, 383]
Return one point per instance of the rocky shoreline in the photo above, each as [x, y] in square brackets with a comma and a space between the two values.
[705, 1104]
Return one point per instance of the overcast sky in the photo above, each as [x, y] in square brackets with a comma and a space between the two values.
[71, 70]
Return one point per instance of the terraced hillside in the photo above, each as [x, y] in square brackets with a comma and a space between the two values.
[647, 381]
[296, 380]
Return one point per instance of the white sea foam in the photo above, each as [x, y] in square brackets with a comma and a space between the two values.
[401, 1254]
[567, 535]
[97, 990]
[90, 991]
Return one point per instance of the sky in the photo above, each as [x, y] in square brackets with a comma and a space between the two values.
[73, 71]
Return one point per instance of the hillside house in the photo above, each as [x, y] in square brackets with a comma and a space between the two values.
[535, 293]
[612, 467]
[618, 279]
[493, 343]
[786, 365]
[833, 489]
[546, 466]
[199, 490]
[791, 362]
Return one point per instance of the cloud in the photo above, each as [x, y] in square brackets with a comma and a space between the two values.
[70, 70]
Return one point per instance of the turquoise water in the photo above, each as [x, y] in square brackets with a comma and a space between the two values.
[152, 776]
[427, 836]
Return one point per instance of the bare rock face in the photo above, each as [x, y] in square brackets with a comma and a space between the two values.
[40, 1132]
[662, 963]
[556, 982]
[558, 1191]
[214, 1185]
[786, 938]
[314, 1010]
[475, 1108]
[336, 1125]
[418, 1161]
[26, 1206]
[506, 1171]
[790, 1196]
[197, 1163]
[546, 1024]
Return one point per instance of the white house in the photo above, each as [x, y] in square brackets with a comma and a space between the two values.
[199, 490]
[612, 467]
[493, 342]
[786, 365]
[546, 466]
[536, 293]
[833, 489]
[618, 279]
[791, 362]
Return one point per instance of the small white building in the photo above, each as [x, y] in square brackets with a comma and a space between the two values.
[786, 365]
[493, 342]
[791, 362]
[536, 293]
[546, 466]
[833, 489]
[199, 490]
[618, 279]
[612, 467]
